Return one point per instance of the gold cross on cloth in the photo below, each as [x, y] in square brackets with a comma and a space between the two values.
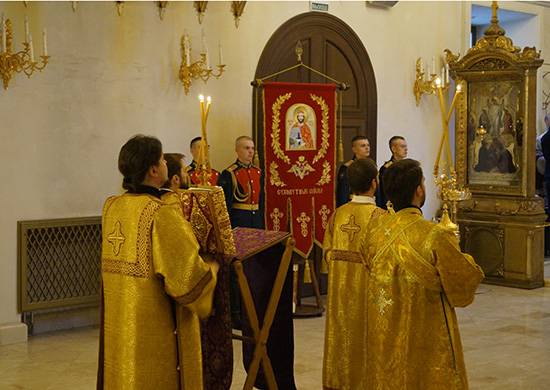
[276, 216]
[351, 228]
[116, 238]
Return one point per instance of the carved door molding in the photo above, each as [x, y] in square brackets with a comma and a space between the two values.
[332, 47]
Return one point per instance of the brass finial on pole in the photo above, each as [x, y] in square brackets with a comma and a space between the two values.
[299, 50]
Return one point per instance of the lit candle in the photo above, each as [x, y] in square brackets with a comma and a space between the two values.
[459, 88]
[447, 73]
[45, 42]
[3, 33]
[433, 65]
[438, 82]
[443, 81]
[421, 66]
[26, 29]
[32, 48]
[220, 54]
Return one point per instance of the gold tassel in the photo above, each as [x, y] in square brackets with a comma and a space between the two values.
[307, 273]
[389, 205]
[256, 159]
[340, 151]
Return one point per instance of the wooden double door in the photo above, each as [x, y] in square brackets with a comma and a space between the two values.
[333, 48]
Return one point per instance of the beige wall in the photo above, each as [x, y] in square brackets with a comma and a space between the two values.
[111, 77]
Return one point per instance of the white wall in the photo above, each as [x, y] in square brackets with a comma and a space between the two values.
[111, 77]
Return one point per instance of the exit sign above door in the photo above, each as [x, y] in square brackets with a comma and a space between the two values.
[321, 6]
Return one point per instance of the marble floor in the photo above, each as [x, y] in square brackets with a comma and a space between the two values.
[505, 333]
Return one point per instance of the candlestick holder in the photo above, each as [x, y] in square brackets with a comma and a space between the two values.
[422, 85]
[199, 69]
[21, 61]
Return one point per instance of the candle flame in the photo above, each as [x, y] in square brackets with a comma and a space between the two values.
[438, 82]
[209, 99]
[459, 87]
[201, 98]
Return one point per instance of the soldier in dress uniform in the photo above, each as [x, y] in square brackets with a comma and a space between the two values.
[242, 183]
[360, 147]
[398, 148]
[191, 169]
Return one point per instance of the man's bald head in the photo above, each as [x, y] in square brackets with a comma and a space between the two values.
[244, 146]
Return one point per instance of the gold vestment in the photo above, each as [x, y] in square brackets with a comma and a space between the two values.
[417, 276]
[151, 273]
[344, 362]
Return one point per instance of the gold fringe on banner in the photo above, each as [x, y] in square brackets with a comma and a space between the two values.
[340, 141]
[307, 272]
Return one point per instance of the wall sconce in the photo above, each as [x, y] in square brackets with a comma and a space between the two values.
[162, 8]
[199, 69]
[119, 7]
[200, 6]
[427, 86]
[237, 8]
[22, 61]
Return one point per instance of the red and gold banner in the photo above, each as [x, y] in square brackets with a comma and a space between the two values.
[300, 158]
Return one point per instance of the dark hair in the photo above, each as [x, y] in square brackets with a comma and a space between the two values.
[361, 173]
[136, 157]
[358, 138]
[400, 182]
[174, 164]
[395, 138]
[196, 139]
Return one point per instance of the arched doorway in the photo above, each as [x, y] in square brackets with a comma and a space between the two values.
[332, 47]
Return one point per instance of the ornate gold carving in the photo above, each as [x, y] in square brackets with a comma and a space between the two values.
[116, 238]
[351, 228]
[325, 134]
[276, 130]
[324, 213]
[274, 178]
[491, 64]
[276, 216]
[304, 220]
[301, 168]
[325, 176]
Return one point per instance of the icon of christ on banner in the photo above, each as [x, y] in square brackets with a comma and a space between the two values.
[301, 129]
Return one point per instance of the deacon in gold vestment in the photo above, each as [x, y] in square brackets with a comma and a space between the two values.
[417, 276]
[344, 363]
[151, 274]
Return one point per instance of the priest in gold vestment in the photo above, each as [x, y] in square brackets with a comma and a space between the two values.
[151, 273]
[417, 276]
[345, 357]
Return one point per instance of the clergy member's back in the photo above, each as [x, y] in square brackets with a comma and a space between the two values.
[149, 262]
[417, 276]
[344, 365]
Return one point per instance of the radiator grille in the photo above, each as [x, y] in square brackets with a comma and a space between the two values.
[59, 262]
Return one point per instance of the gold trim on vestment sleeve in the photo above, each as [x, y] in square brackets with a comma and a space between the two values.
[176, 256]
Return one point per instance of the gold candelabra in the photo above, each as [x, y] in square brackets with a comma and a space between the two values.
[450, 192]
[204, 170]
[21, 61]
[199, 69]
[427, 86]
